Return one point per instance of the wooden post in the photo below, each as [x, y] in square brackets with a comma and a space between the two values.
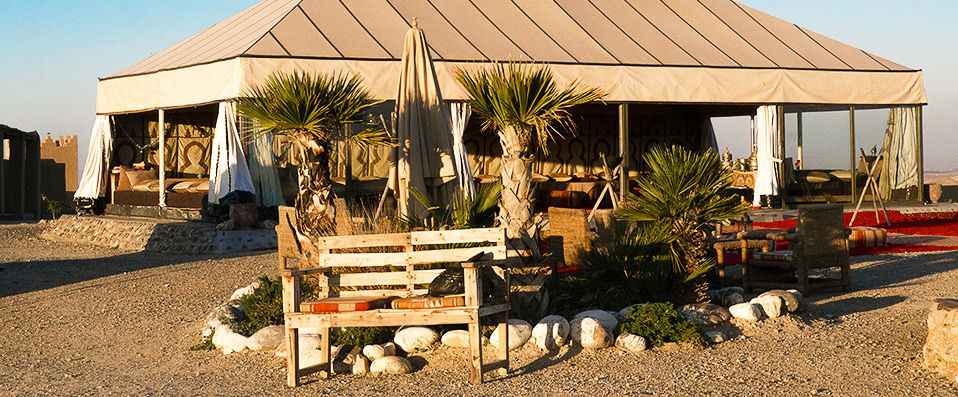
[161, 132]
[780, 116]
[23, 175]
[624, 150]
[291, 287]
[38, 198]
[851, 150]
[3, 174]
[799, 154]
[920, 154]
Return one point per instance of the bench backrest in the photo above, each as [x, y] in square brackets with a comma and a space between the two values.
[396, 264]
[823, 237]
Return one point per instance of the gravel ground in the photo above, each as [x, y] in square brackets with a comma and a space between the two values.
[82, 320]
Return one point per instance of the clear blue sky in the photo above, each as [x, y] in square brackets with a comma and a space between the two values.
[51, 53]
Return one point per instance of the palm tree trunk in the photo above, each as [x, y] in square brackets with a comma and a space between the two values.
[313, 211]
[515, 206]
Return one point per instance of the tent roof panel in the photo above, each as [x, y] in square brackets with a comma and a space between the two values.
[485, 36]
[299, 35]
[382, 22]
[529, 36]
[755, 34]
[440, 34]
[642, 32]
[610, 36]
[679, 31]
[565, 31]
[268, 46]
[342, 29]
[719, 34]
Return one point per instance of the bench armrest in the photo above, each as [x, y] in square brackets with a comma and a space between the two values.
[302, 272]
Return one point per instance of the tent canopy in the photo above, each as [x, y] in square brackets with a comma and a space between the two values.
[673, 51]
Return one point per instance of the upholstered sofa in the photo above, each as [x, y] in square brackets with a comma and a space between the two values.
[142, 187]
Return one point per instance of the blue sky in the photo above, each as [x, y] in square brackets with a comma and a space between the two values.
[51, 53]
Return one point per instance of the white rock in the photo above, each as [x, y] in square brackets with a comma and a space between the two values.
[705, 313]
[415, 338]
[631, 343]
[307, 341]
[594, 334]
[224, 338]
[372, 352]
[245, 291]
[550, 332]
[802, 302]
[391, 365]
[772, 306]
[350, 356]
[792, 300]
[626, 309]
[746, 311]
[601, 316]
[519, 333]
[267, 338]
[361, 366]
[733, 299]
[389, 349]
[456, 338]
[716, 336]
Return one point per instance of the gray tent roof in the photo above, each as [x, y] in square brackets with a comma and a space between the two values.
[710, 33]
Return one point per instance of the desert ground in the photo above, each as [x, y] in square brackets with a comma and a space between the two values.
[85, 320]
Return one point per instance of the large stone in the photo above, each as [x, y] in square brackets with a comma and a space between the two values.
[631, 343]
[593, 334]
[412, 339]
[733, 299]
[550, 332]
[746, 311]
[267, 338]
[224, 338]
[361, 366]
[600, 316]
[391, 365]
[308, 341]
[245, 291]
[772, 306]
[703, 314]
[519, 333]
[802, 302]
[792, 301]
[716, 336]
[940, 353]
[456, 338]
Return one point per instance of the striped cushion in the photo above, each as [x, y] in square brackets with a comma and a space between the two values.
[867, 237]
[429, 302]
[344, 304]
[774, 256]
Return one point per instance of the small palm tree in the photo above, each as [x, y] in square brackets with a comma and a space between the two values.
[526, 109]
[687, 194]
[462, 212]
[312, 110]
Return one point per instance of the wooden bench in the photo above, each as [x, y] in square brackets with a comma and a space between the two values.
[366, 265]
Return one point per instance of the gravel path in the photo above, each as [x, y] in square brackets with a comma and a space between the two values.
[84, 320]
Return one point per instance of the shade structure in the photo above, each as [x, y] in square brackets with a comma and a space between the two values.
[422, 127]
[93, 181]
[668, 51]
[228, 169]
[459, 118]
[766, 142]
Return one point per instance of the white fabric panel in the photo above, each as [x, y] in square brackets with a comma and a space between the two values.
[708, 137]
[766, 140]
[228, 170]
[264, 173]
[460, 112]
[230, 78]
[900, 168]
[93, 182]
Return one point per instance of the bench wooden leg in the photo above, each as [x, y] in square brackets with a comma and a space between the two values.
[504, 342]
[292, 357]
[475, 349]
[326, 348]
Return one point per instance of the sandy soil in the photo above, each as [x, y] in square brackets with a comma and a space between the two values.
[83, 320]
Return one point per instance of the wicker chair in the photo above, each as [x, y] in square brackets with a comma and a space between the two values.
[570, 234]
[820, 241]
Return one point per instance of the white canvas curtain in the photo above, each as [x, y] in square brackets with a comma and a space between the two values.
[263, 170]
[766, 141]
[708, 136]
[228, 170]
[900, 168]
[460, 113]
[93, 181]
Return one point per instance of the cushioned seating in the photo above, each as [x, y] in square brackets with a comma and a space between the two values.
[815, 177]
[429, 302]
[776, 256]
[344, 304]
[867, 237]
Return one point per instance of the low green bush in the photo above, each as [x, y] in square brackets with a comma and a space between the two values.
[660, 323]
[265, 306]
[361, 336]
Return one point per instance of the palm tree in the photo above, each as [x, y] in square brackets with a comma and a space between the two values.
[526, 109]
[312, 110]
[686, 193]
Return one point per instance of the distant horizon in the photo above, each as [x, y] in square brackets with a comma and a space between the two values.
[56, 68]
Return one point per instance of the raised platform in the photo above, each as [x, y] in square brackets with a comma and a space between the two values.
[157, 235]
[153, 211]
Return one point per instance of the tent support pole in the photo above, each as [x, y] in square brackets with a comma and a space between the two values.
[921, 159]
[780, 116]
[623, 150]
[161, 132]
[799, 154]
[851, 148]
[3, 174]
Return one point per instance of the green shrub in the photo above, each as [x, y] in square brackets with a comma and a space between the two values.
[54, 207]
[361, 336]
[660, 323]
[265, 306]
[205, 345]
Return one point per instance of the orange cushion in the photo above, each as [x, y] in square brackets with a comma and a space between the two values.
[867, 237]
[774, 256]
[344, 304]
[429, 302]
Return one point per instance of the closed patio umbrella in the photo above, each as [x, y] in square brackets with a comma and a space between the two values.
[424, 154]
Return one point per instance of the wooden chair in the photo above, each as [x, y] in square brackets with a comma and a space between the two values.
[365, 265]
[820, 241]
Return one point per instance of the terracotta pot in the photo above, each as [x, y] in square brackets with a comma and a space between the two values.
[244, 215]
[934, 192]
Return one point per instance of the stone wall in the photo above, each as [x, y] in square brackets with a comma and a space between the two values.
[58, 168]
[140, 234]
[941, 349]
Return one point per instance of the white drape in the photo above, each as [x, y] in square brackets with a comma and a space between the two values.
[263, 170]
[93, 181]
[766, 140]
[708, 136]
[228, 170]
[460, 112]
[900, 168]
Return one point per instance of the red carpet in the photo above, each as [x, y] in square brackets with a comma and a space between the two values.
[926, 224]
